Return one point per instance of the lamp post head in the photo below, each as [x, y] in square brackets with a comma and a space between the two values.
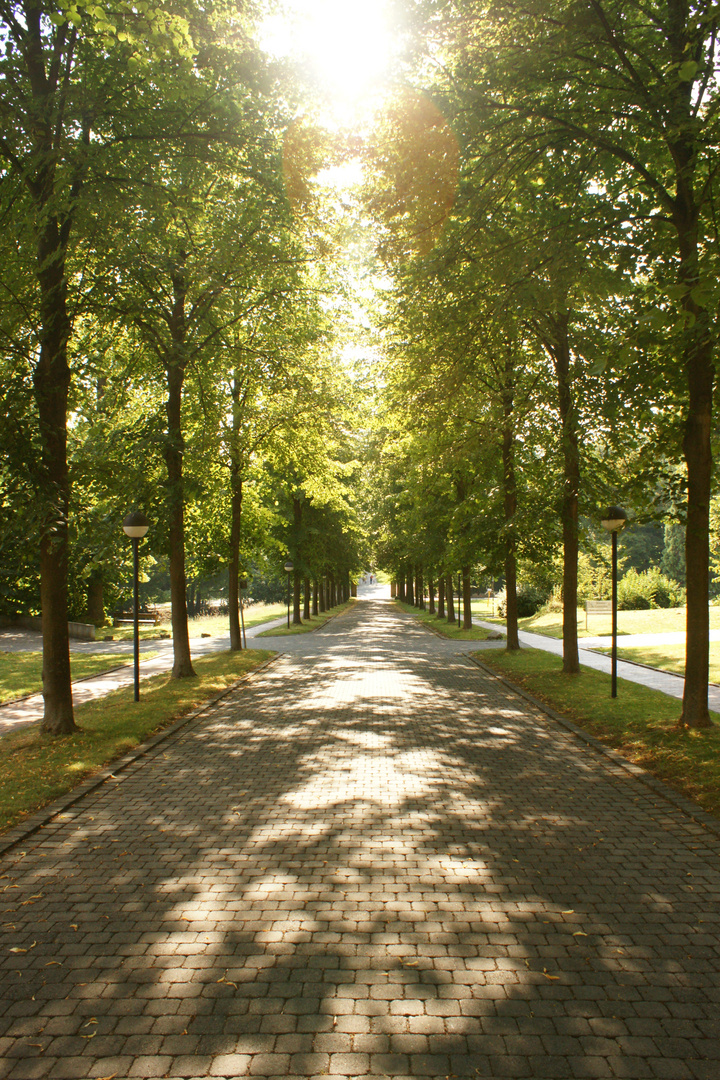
[614, 519]
[289, 567]
[135, 525]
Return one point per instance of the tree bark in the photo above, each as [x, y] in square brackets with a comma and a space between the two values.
[297, 621]
[174, 449]
[467, 609]
[306, 599]
[401, 586]
[697, 447]
[95, 604]
[409, 588]
[234, 560]
[441, 596]
[420, 589]
[51, 382]
[558, 346]
[315, 597]
[431, 594]
[510, 505]
[449, 598]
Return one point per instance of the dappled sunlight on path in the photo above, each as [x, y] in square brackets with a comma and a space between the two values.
[372, 859]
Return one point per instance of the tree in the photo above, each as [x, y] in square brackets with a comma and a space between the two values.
[637, 84]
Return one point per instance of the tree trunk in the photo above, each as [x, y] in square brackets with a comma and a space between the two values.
[306, 599]
[697, 447]
[315, 597]
[559, 348]
[441, 596]
[409, 589]
[467, 609]
[234, 561]
[51, 382]
[449, 598]
[401, 586]
[510, 500]
[95, 604]
[431, 595]
[297, 621]
[420, 590]
[321, 594]
[174, 448]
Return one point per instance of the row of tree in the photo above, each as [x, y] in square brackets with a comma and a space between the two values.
[553, 352]
[164, 341]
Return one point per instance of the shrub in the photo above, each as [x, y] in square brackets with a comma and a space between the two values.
[651, 589]
[529, 600]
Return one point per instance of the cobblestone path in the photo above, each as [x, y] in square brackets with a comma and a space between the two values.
[371, 860]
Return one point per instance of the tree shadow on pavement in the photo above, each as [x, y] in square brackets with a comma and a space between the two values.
[373, 860]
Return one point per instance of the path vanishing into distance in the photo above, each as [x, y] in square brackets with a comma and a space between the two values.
[370, 859]
[29, 710]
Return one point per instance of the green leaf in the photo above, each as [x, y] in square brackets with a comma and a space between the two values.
[688, 71]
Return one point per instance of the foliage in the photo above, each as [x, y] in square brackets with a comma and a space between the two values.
[650, 589]
[530, 600]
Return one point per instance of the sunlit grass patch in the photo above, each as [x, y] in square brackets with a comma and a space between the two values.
[654, 621]
[640, 723]
[37, 769]
[214, 625]
[21, 672]
[667, 657]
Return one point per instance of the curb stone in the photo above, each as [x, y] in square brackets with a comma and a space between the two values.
[700, 816]
[36, 821]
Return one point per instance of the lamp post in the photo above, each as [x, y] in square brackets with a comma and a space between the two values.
[614, 519]
[288, 570]
[135, 526]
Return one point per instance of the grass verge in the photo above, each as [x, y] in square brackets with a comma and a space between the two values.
[313, 623]
[667, 657]
[442, 627]
[654, 621]
[38, 768]
[21, 672]
[639, 723]
[214, 625]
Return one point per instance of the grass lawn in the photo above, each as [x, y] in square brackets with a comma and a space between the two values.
[442, 626]
[39, 768]
[656, 621]
[639, 723]
[668, 657]
[21, 672]
[215, 625]
[313, 623]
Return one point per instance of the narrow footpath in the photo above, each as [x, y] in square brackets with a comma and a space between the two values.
[655, 679]
[372, 859]
[29, 710]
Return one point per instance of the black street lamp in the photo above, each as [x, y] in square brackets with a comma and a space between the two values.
[135, 526]
[288, 570]
[613, 520]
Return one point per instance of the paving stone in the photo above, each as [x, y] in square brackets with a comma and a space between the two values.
[371, 860]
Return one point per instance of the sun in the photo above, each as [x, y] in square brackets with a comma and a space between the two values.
[346, 46]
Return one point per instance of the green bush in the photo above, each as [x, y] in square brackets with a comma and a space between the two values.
[651, 589]
[529, 600]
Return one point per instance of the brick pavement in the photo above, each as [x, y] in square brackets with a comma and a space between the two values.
[372, 860]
